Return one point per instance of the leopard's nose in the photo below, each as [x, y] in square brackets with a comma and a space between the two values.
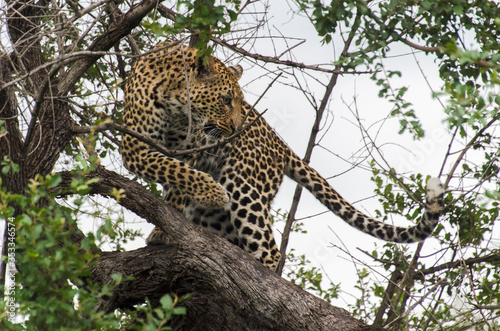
[235, 122]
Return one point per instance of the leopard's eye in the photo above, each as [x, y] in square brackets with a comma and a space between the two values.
[226, 100]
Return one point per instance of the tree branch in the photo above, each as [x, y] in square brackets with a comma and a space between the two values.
[170, 14]
[288, 63]
[229, 289]
[490, 258]
[312, 142]
[104, 42]
[420, 273]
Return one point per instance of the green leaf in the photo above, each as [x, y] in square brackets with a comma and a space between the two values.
[166, 302]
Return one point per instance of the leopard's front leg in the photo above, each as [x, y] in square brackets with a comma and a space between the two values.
[148, 163]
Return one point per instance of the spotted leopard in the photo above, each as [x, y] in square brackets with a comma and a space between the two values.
[181, 102]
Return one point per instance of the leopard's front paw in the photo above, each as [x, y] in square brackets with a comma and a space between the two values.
[210, 194]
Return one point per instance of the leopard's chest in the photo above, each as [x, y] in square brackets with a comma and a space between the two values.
[209, 160]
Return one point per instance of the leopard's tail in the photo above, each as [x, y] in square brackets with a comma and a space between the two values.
[306, 176]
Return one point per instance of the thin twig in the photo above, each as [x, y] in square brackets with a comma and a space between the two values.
[188, 92]
[470, 144]
[312, 142]
[448, 151]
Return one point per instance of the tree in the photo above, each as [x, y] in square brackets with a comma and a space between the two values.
[62, 67]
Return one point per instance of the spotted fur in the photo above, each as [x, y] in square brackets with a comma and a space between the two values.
[226, 189]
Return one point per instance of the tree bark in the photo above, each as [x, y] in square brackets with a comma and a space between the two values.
[229, 289]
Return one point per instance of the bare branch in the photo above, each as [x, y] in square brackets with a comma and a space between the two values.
[288, 63]
[422, 48]
[312, 142]
[493, 257]
[420, 273]
[104, 42]
[170, 14]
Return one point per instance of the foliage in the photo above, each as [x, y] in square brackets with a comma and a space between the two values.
[52, 289]
[203, 16]
[51, 282]
[300, 272]
[158, 318]
[464, 36]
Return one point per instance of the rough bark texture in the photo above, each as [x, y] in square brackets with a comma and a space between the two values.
[230, 290]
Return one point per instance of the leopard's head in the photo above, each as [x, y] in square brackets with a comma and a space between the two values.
[215, 96]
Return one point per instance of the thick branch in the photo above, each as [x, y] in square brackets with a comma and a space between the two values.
[119, 29]
[230, 290]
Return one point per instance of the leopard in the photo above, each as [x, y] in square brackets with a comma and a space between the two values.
[185, 102]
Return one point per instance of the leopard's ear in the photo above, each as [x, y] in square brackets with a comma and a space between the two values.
[237, 71]
[203, 66]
